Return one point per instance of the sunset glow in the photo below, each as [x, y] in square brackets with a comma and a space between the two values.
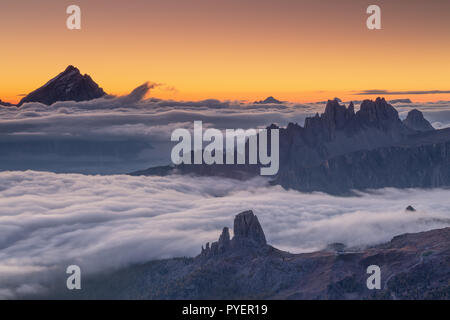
[240, 50]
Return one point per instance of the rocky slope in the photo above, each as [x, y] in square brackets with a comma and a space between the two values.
[69, 85]
[341, 150]
[413, 266]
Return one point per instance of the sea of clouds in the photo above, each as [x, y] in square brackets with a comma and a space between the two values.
[114, 135]
[49, 221]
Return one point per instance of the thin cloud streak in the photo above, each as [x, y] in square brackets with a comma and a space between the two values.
[388, 92]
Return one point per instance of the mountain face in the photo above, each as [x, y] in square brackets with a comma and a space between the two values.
[69, 85]
[414, 266]
[341, 150]
[416, 121]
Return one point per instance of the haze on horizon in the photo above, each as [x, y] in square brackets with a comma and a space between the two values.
[301, 50]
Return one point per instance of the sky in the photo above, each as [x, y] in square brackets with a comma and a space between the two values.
[295, 50]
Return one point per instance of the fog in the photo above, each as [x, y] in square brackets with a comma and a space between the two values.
[122, 134]
[50, 220]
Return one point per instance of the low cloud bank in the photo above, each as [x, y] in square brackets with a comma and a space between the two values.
[123, 134]
[51, 220]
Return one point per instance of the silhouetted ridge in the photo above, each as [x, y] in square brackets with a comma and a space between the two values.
[69, 85]
[377, 111]
[341, 150]
[416, 121]
[268, 100]
[248, 234]
[6, 104]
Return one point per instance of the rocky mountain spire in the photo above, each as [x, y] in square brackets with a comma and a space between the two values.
[416, 121]
[247, 230]
[335, 117]
[377, 111]
[248, 233]
[224, 240]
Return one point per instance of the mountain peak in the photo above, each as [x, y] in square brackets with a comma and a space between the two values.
[248, 230]
[268, 100]
[69, 85]
[378, 110]
[248, 233]
[416, 121]
[335, 117]
[71, 68]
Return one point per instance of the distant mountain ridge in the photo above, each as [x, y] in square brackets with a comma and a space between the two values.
[416, 121]
[69, 85]
[341, 150]
[6, 104]
[268, 100]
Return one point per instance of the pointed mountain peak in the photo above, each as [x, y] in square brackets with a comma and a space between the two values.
[248, 234]
[268, 100]
[69, 85]
[71, 68]
[247, 229]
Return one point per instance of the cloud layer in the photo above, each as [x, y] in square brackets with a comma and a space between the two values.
[51, 220]
[118, 134]
[123, 134]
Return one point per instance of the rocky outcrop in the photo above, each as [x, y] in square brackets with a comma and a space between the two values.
[69, 85]
[248, 231]
[340, 150]
[416, 121]
[426, 166]
[248, 234]
[378, 112]
[219, 246]
[413, 266]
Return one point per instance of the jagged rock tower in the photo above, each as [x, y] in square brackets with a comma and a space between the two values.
[248, 234]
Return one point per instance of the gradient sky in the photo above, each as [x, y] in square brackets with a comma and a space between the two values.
[231, 49]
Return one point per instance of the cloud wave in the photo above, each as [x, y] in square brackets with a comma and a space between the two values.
[114, 135]
[51, 220]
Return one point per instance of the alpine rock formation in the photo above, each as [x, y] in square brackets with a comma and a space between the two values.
[340, 150]
[246, 267]
[69, 85]
[416, 121]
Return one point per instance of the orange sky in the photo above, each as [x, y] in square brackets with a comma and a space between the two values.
[230, 49]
